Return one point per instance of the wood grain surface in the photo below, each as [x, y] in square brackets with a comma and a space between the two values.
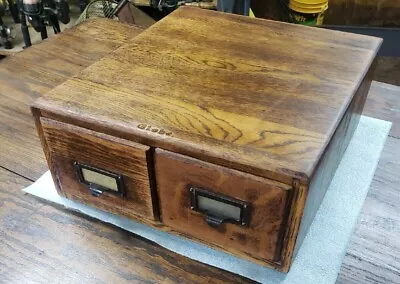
[249, 101]
[248, 112]
[384, 103]
[332, 156]
[68, 144]
[388, 70]
[26, 76]
[32, 244]
[373, 255]
[269, 204]
[43, 244]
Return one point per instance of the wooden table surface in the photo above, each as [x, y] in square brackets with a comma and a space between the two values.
[41, 243]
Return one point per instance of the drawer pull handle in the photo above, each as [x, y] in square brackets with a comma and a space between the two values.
[95, 192]
[99, 180]
[218, 208]
[214, 221]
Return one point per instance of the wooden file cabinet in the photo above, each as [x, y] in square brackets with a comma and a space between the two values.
[220, 128]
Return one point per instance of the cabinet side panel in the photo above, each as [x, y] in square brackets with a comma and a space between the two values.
[37, 114]
[332, 156]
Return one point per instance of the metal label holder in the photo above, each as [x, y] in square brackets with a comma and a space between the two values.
[97, 189]
[215, 220]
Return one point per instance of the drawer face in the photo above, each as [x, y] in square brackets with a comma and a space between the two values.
[238, 212]
[94, 168]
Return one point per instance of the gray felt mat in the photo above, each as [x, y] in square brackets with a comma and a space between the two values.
[321, 255]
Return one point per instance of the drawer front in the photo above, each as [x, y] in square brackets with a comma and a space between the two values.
[238, 212]
[101, 170]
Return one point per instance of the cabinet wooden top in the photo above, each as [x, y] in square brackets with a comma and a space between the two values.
[261, 96]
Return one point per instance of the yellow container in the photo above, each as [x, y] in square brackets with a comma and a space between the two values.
[307, 9]
[312, 2]
[308, 12]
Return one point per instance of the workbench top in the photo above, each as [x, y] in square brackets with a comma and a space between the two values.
[42, 244]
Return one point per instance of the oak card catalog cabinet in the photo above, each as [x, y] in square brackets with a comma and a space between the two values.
[220, 128]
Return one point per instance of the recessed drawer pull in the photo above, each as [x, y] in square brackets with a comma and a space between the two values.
[99, 180]
[219, 208]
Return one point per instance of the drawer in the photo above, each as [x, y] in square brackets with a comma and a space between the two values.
[238, 212]
[100, 170]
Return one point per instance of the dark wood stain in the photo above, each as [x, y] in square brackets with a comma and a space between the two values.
[68, 144]
[63, 246]
[174, 174]
[231, 108]
[26, 76]
[271, 113]
[67, 247]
